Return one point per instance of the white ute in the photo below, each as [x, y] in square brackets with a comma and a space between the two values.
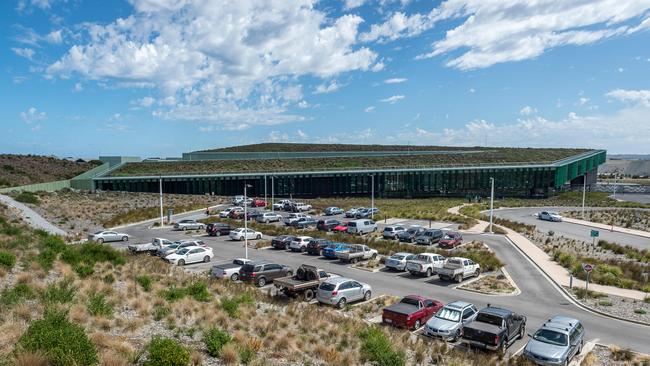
[426, 264]
[459, 269]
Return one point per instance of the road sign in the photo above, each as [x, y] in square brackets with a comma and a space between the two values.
[595, 233]
[587, 267]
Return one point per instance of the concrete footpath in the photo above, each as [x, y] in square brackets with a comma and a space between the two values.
[31, 217]
[597, 225]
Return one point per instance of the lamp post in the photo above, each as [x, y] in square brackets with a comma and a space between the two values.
[265, 191]
[584, 193]
[245, 222]
[372, 197]
[161, 204]
[491, 202]
[272, 193]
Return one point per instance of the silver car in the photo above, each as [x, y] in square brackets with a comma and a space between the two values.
[556, 342]
[392, 231]
[189, 225]
[106, 235]
[397, 261]
[339, 291]
[549, 216]
[178, 245]
[267, 217]
[448, 321]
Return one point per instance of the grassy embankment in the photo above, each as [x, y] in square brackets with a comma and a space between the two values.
[18, 170]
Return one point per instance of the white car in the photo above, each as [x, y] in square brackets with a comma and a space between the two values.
[189, 255]
[223, 214]
[241, 234]
[104, 236]
[549, 216]
[299, 243]
[230, 269]
[288, 220]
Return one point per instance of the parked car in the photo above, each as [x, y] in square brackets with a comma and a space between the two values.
[449, 321]
[263, 272]
[226, 213]
[494, 329]
[366, 213]
[330, 251]
[280, 204]
[107, 235]
[288, 205]
[425, 264]
[236, 213]
[237, 200]
[339, 291]
[294, 217]
[363, 226]
[429, 237]
[218, 229]
[410, 234]
[304, 222]
[300, 207]
[458, 269]
[340, 228]
[392, 231]
[305, 282]
[253, 214]
[282, 241]
[451, 240]
[189, 225]
[267, 217]
[299, 243]
[229, 270]
[154, 245]
[398, 261]
[353, 211]
[258, 203]
[549, 216]
[410, 312]
[356, 253]
[316, 246]
[190, 255]
[556, 342]
[241, 234]
[178, 245]
[329, 211]
[327, 224]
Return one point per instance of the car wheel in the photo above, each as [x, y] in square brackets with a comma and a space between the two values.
[374, 256]
[125, 238]
[266, 221]
[522, 331]
[234, 276]
[206, 259]
[308, 294]
[412, 241]
[428, 272]
[241, 238]
[302, 249]
[456, 336]
[580, 348]
[258, 237]
[181, 263]
[341, 303]
[477, 272]
[218, 233]
[504, 346]
[417, 325]
[367, 296]
[261, 282]
[184, 228]
[459, 278]
[100, 241]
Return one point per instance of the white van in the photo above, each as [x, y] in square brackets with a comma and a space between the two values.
[361, 227]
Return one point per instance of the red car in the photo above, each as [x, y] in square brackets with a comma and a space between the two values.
[236, 214]
[341, 228]
[258, 203]
[451, 240]
[410, 312]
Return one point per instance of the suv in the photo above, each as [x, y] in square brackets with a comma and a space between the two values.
[361, 226]
[333, 211]
[267, 217]
[299, 243]
[315, 246]
[338, 291]
[282, 241]
[449, 321]
[263, 272]
[392, 231]
[218, 229]
[410, 234]
[288, 220]
[327, 224]
[556, 342]
[429, 237]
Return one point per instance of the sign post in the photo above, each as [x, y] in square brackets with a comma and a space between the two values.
[594, 235]
[170, 213]
[587, 268]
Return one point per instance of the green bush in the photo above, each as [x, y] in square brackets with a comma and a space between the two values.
[605, 303]
[16, 294]
[98, 306]
[246, 354]
[639, 311]
[83, 270]
[231, 305]
[62, 292]
[173, 293]
[46, 259]
[167, 352]
[199, 291]
[159, 312]
[144, 281]
[214, 339]
[61, 341]
[376, 347]
[109, 278]
[7, 260]
[27, 197]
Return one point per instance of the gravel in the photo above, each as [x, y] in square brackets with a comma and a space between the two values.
[620, 306]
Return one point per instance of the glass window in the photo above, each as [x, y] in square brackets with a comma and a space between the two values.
[550, 337]
[448, 314]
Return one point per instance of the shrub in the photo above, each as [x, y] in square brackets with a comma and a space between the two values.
[639, 311]
[246, 354]
[83, 270]
[605, 303]
[109, 278]
[27, 197]
[214, 339]
[199, 291]
[231, 305]
[144, 281]
[377, 348]
[173, 293]
[61, 292]
[167, 352]
[159, 312]
[7, 260]
[46, 259]
[98, 306]
[16, 294]
[61, 341]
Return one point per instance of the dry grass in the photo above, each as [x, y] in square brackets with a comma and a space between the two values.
[229, 354]
[25, 358]
[18, 170]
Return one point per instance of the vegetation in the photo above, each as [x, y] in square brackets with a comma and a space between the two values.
[627, 218]
[292, 147]
[27, 197]
[611, 272]
[167, 352]
[146, 213]
[231, 305]
[641, 255]
[376, 347]
[214, 340]
[7, 259]
[98, 306]
[18, 170]
[144, 281]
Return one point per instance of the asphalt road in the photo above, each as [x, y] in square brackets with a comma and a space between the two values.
[569, 230]
[633, 197]
[539, 300]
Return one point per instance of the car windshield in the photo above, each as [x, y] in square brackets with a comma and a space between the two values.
[327, 286]
[410, 301]
[183, 251]
[174, 246]
[412, 231]
[489, 319]
[448, 314]
[399, 257]
[550, 337]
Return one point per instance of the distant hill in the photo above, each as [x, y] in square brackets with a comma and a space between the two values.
[18, 170]
[628, 157]
[631, 168]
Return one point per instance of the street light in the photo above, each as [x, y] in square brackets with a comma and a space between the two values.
[246, 221]
[491, 202]
[584, 193]
[161, 204]
[372, 195]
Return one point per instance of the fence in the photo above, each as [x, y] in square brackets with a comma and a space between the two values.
[48, 187]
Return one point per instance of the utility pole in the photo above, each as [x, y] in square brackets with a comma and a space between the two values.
[161, 204]
[272, 193]
[584, 194]
[265, 191]
[245, 222]
[615, 175]
[491, 203]
[372, 195]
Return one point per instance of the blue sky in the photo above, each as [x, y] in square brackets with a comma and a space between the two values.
[160, 77]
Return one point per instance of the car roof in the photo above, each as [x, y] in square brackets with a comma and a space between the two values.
[403, 253]
[260, 262]
[195, 247]
[460, 305]
[337, 280]
[497, 311]
[303, 237]
[561, 323]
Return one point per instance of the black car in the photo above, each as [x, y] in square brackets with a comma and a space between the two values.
[495, 329]
[253, 214]
[282, 241]
[315, 246]
[218, 229]
[327, 224]
[410, 234]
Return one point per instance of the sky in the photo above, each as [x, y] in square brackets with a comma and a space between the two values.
[155, 78]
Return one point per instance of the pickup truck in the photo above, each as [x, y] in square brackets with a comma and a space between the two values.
[229, 270]
[425, 264]
[410, 312]
[304, 222]
[305, 282]
[494, 329]
[458, 269]
[331, 250]
[151, 248]
[355, 253]
[288, 220]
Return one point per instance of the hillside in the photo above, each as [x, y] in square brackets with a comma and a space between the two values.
[18, 170]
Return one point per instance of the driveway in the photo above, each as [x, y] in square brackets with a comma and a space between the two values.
[31, 217]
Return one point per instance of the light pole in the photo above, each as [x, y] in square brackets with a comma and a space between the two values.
[584, 194]
[272, 193]
[161, 204]
[615, 175]
[245, 222]
[265, 190]
[491, 202]
[372, 195]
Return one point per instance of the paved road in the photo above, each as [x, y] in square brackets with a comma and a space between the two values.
[633, 197]
[31, 217]
[569, 230]
[538, 301]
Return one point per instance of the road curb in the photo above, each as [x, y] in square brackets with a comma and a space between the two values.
[597, 225]
[517, 291]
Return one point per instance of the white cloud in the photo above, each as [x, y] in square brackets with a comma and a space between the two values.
[244, 57]
[277, 136]
[635, 96]
[78, 87]
[303, 104]
[351, 4]
[302, 134]
[327, 88]
[582, 101]
[472, 90]
[31, 115]
[369, 109]
[393, 99]
[54, 37]
[395, 80]
[28, 4]
[527, 110]
[27, 53]
[145, 101]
